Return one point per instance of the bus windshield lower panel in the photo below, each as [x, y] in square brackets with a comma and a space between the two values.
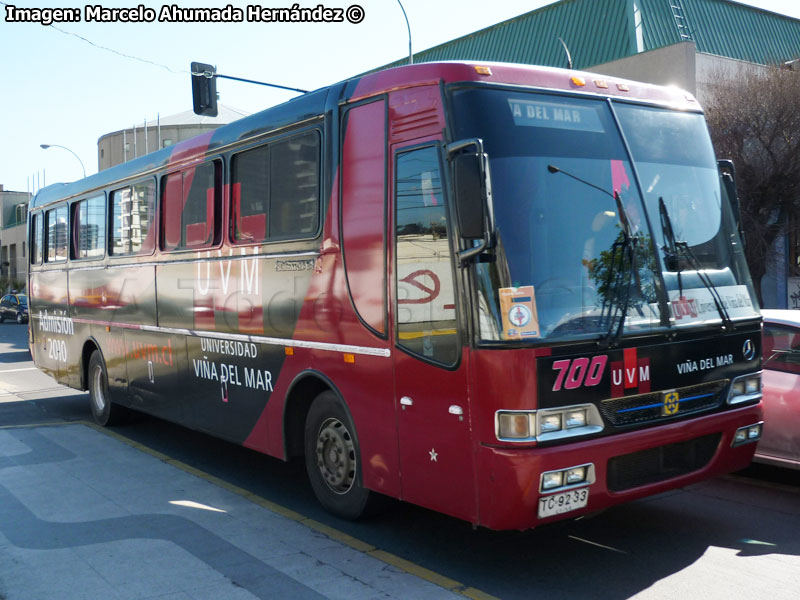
[583, 250]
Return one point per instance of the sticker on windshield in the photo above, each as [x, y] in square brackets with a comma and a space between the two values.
[696, 305]
[555, 115]
[520, 319]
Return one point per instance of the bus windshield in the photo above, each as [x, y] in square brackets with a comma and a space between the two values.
[584, 249]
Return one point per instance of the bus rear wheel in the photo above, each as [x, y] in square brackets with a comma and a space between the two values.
[105, 413]
[333, 460]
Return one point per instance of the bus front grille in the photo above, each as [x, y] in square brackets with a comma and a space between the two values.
[644, 408]
[660, 463]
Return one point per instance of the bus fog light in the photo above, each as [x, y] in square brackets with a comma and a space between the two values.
[575, 475]
[575, 418]
[737, 388]
[513, 426]
[552, 480]
[752, 385]
[747, 434]
[550, 423]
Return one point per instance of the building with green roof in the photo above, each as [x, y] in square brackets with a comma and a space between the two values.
[603, 31]
[665, 42]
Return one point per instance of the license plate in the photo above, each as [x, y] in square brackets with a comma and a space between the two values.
[564, 502]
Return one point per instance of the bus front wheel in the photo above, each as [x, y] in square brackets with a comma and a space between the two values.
[333, 459]
[104, 412]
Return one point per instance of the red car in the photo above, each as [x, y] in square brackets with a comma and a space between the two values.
[780, 442]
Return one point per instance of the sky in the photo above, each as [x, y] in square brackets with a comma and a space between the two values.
[59, 89]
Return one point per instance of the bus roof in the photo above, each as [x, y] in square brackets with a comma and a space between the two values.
[313, 104]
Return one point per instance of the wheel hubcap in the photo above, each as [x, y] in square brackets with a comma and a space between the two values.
[336, 456]
[98, 391]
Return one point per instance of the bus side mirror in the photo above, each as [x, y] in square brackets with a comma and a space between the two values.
[471, 200]
[473, 195]
[204, 89]
[727, 175]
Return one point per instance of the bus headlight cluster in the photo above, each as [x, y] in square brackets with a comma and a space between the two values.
[750, 433]
[745, 388]
[513, 425]
[547, 424]
[567, 478]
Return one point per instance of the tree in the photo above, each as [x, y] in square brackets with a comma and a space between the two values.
[754, 119]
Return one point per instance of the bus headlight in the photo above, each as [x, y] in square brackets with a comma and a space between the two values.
[550, 423]
[514, 425]
[547, 424]
[575, 418]
[745, 388]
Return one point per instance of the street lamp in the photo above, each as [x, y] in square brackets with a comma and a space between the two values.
[46, 146]
[410, 55]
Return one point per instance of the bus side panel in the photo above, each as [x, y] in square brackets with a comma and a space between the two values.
[89, 290]
[327, 316]
[54, 330]
[154, 360]
[229, 381]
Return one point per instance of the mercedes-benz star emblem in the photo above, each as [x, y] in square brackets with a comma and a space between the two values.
[749, 350]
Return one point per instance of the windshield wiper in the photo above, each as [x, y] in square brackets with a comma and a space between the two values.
[672, 259]
[623, 216]
[673, 249]
[619, 300]
[628, 267]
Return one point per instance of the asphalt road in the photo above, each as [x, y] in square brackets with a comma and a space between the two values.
[732, 537]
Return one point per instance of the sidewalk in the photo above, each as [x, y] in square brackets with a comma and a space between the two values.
[84, 515]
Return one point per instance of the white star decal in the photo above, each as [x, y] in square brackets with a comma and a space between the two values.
[433, 454]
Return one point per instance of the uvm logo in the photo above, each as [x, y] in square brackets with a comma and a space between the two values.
[629, 374]
[684, 307]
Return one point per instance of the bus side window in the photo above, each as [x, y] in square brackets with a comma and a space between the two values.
[426, 309]
[132, 218]
[275, 193]
[172, 202]
[200, 188]
[294, 187]
[191, 199]
[250, 178]
[89, 228]
[36, 239]
[57, 234]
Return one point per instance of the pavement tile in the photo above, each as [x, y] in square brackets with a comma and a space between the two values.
[265, 582]
[262, 545]
[343, 588]
[80, 507]
[10, 446]
[228, 591]
[65, 500]
[29, 574]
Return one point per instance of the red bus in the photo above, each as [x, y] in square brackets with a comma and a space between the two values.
[507, 293]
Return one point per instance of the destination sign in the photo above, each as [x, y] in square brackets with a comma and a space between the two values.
[555, 115]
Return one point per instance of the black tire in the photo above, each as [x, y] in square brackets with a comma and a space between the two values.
[333, 459]
[105, 412]
[20, 318]
[2, 318]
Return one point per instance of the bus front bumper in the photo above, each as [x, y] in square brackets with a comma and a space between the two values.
[624, 467]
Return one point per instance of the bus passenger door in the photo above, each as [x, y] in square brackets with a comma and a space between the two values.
[431, 394]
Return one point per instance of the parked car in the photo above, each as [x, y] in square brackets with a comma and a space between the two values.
[780, 442]
[14, 307]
